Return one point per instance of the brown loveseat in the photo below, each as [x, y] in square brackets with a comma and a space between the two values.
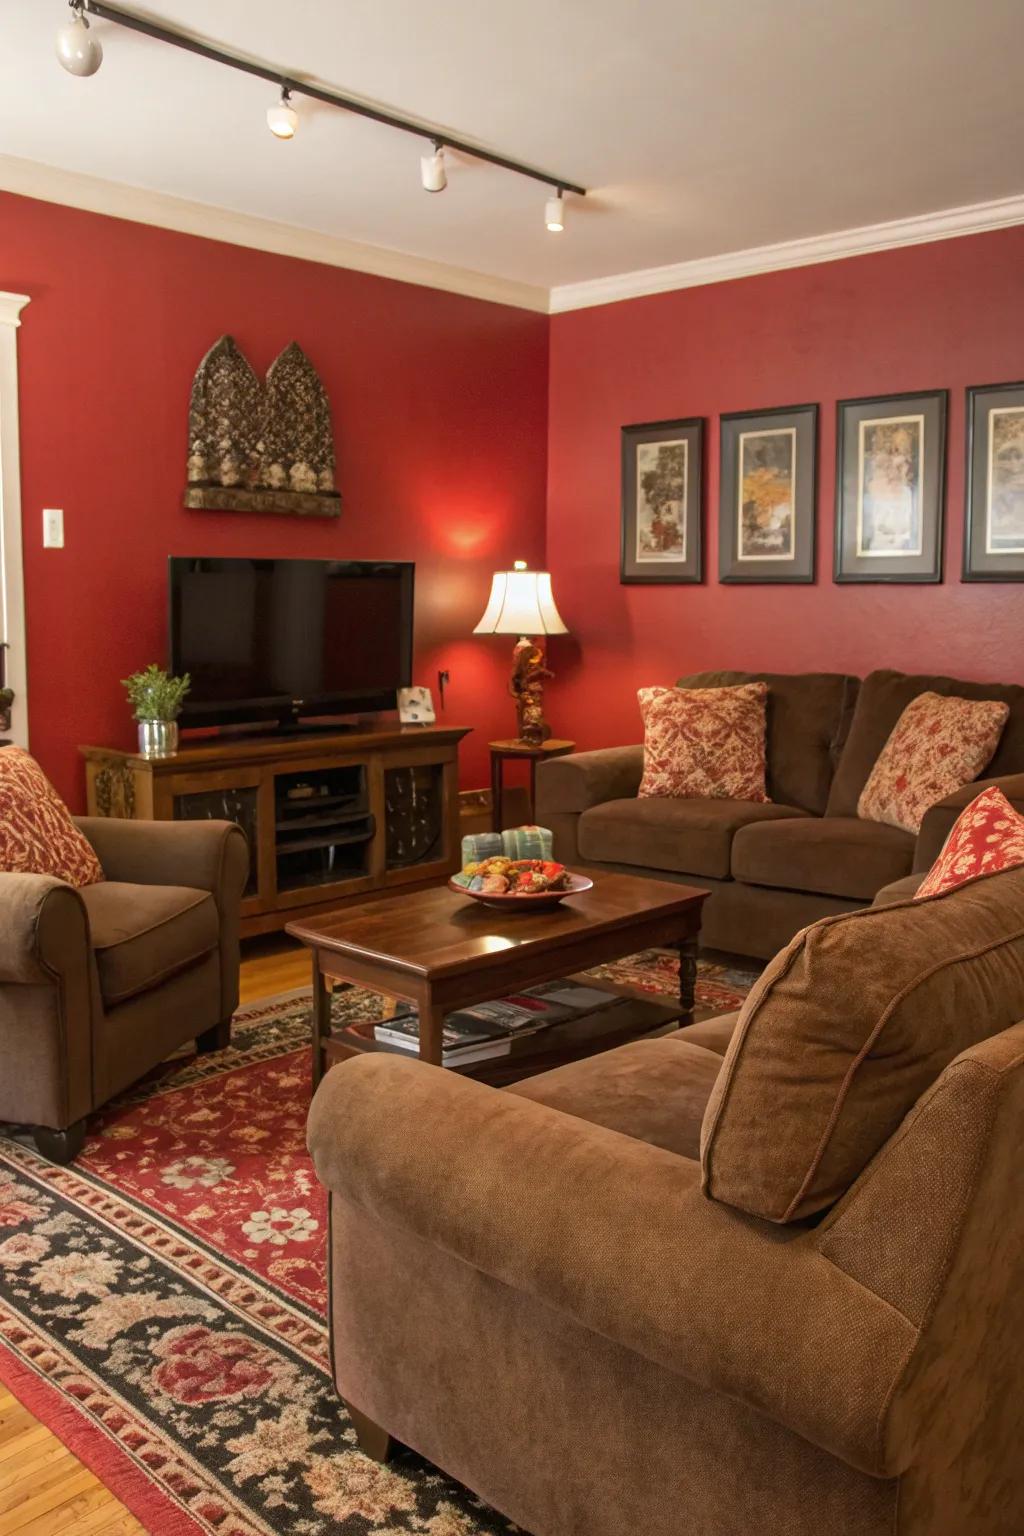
[98, 985]
[771, 869]
[534, 1289]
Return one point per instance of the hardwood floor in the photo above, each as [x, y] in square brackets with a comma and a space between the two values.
[44, 1489]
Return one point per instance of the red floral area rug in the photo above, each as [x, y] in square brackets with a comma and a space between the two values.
[162, 1302]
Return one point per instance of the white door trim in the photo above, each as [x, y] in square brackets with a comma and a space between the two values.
[11, 571]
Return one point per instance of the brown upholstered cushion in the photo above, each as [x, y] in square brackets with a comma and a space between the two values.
[899, 890]
[713, 1034]
[846, 1029]
[831, 855]
[882, 699]
[143, 933]
[652, 1090]
[809, 715]
[692, 837]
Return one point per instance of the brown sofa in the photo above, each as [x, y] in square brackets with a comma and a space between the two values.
[817, 1330]
[772, 869]
[98, 985]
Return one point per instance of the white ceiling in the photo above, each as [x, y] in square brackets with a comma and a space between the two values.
[701, 126]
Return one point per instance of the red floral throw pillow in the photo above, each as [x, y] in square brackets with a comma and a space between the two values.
[37, 835]
[987, 836]
[704, 743]
[937, 745]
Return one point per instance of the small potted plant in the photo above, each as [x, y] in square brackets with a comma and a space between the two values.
[156, 699]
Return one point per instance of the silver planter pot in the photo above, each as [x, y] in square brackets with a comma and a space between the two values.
[158, 738]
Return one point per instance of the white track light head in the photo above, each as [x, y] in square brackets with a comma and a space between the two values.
[432, 171]
[554, 213]
[77, 50]
[282, 118]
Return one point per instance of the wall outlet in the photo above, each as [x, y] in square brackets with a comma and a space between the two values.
[53, 528]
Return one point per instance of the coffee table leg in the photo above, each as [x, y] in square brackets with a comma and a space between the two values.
[321, 1018]
[687, 974]
[431, 1032]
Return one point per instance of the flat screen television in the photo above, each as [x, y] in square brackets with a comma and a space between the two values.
[280, 639]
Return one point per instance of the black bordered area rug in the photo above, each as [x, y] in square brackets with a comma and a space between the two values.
[162, 1302]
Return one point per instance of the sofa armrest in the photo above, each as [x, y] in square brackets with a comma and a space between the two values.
[583, 779]
[617, 1234]
[939, 818]
[206, 855]
[43, 928]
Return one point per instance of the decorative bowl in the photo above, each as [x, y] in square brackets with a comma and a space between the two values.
[528, 901]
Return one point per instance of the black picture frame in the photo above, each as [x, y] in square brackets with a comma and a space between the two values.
[922, 413]
[745, 552]
[981, 562]
[660, 569]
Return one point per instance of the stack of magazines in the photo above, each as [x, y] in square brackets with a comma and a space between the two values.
[491, 1029]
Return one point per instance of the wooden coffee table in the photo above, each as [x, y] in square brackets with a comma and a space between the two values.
[443, 951]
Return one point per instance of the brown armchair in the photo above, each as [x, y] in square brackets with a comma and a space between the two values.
[98, 985]
[542, 1291]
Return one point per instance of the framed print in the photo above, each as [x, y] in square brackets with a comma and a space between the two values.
[768, 494]
[890, 487]
[994, 526]
[662, 502]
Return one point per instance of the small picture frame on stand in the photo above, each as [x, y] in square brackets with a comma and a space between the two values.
[415, 706]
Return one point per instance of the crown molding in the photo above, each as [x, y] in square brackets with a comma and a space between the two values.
[11, 306]
[31, 178]
[973, 219]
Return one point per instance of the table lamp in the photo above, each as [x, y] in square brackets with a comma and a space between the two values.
[521, 603]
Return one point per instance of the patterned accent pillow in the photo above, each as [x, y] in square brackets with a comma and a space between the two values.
[987, 836]
[704, 743]
[37, 835]
[937, 745]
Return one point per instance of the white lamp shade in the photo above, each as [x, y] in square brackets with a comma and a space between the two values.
[521, 603]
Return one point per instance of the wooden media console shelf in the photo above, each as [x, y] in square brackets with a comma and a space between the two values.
[330, 816]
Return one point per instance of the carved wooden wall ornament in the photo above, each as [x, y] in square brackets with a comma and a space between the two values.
[260, 447]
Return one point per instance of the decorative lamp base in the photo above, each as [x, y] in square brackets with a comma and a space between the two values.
[527, 688]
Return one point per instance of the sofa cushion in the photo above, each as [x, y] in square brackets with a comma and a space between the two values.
[704, 742]
[652, 1090]
[809, 714]
[939, 744]
[713, 1034]
[691, 837]
[899, 890]
[143, 933]
[882, 699]
[829, 855]
[845, 1030]
[37, 834]
[987, 835]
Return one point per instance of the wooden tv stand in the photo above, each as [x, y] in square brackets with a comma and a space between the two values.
[331, 816]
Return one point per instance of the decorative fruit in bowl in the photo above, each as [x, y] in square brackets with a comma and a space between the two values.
[527, 882]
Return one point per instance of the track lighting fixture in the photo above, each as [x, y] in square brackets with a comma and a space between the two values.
[81, 54]
[282, 118]
[554, 213]
[77, 50]
[432, 172]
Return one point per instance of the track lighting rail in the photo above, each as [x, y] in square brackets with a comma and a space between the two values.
[292, 86]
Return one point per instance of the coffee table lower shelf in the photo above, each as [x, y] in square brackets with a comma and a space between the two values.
[634, 1018]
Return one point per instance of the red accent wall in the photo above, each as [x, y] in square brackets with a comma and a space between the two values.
[439, 408]
[944, 315]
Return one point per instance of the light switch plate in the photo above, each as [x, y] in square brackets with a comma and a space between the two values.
[53, 528]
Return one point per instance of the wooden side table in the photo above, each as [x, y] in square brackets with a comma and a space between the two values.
[501, 752]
